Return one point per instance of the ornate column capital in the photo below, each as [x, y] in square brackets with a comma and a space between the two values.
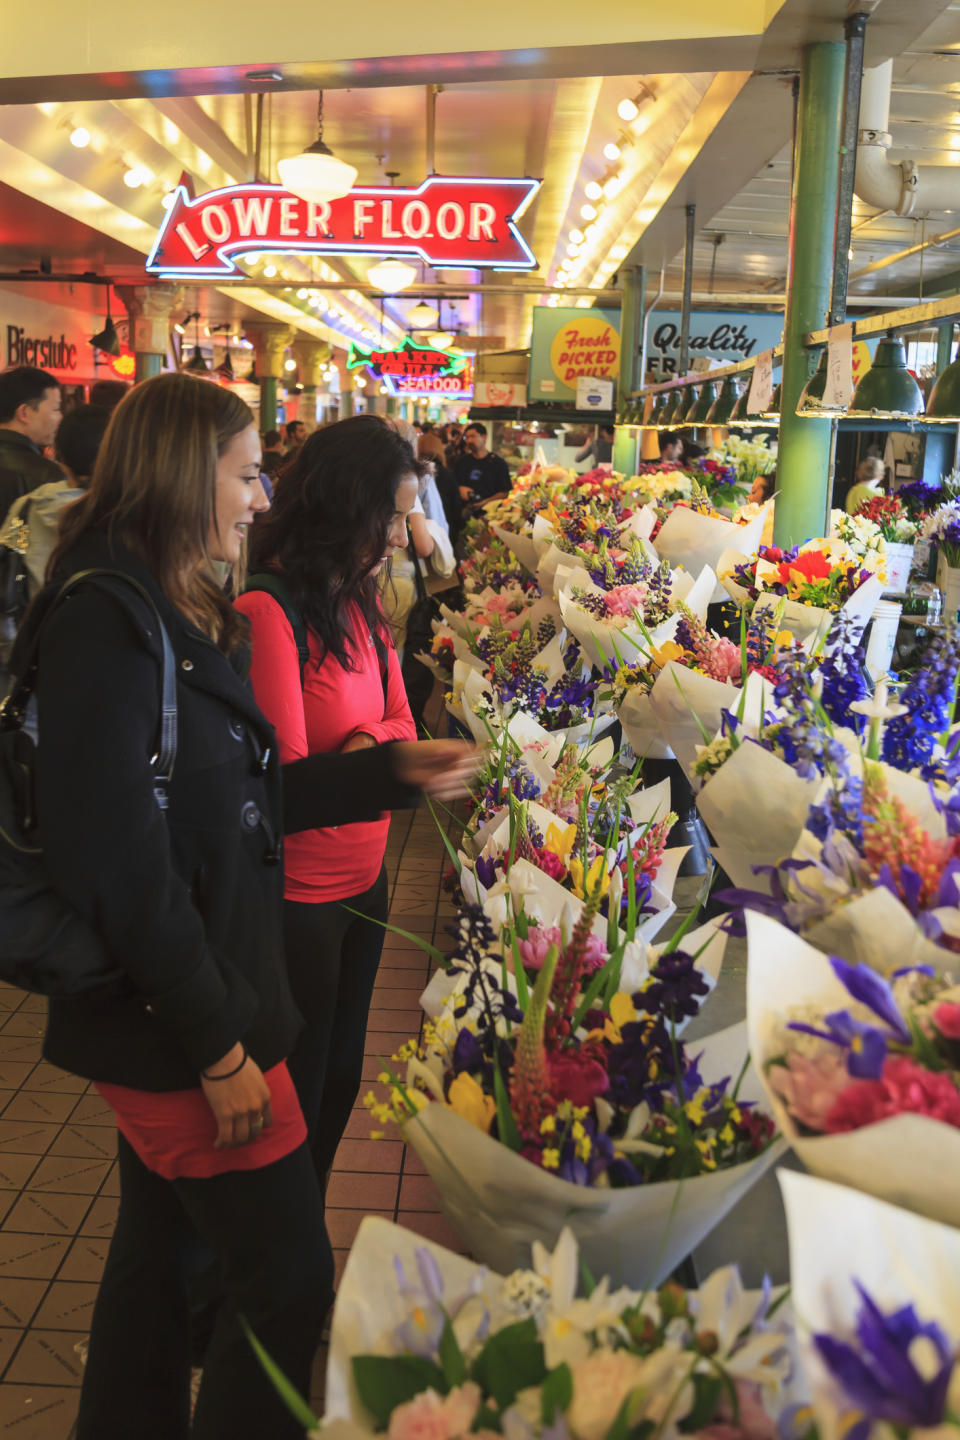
[149, 308]
[270, 342]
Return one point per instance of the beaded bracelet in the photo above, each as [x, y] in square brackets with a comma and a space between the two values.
[229, 1073]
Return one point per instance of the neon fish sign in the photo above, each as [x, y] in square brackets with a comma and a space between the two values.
[408, 361]
[451, 222]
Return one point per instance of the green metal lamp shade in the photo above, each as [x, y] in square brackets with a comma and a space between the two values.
[659, 405]
[888, 388]
[672, 407]
[944, 402]
[812, 395]
[723, 407]
[775, 401]
[705, 401]
[688, 401]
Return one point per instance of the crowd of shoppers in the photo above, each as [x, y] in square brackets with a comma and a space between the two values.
[196, 1045]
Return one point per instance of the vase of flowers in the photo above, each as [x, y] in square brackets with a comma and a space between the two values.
[943, 528]
[899, 530]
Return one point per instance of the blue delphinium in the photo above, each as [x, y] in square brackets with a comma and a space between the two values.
[909, 740]
[842, 673]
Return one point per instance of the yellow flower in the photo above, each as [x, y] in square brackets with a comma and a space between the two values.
[560, 842]
[548, 1125]
[726, 1135]
[551, 1160]
[596, 875]
[376, 1134]
[661, 654]
[696, 1108]
[467, 1100]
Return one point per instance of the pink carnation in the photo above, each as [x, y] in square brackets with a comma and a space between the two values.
[625, 599]
[946, 1017]
[434, 1417]
[724, 660]
[533, 950]
[809, 1087]
[754, 1423]
[551, 865]
[905, 1088]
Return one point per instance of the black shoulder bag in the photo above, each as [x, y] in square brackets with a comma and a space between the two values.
[14, 587]
[45, 944]
[417, 679]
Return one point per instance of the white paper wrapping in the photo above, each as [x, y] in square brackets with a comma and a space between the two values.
[838, 1236]
[681, 697]
[909, 1160]
[810, 624]
[755, 807]
[522, 546]
[693, 540]
[501, 1203]
[641, 725]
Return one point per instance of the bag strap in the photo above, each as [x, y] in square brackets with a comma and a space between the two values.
[166, 744]
[418, 580]
[273, 584]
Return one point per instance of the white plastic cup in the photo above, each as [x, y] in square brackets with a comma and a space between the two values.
[883, 637]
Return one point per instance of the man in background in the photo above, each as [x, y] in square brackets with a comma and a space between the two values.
[480, 475]
[273, 456]
[296, 433]
[29, 418]
[600, 448]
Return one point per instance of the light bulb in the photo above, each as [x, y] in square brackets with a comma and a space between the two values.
[302, 294]
[590, 231]
[612, 151]
[573, 249]
[167, 200]
[577, 237]
[613, 187]
[588, 212]
[391, 275]
[628, 109]
[80, 137]
[135, 177]
[290, 364]
[593, 190]
[269, 271]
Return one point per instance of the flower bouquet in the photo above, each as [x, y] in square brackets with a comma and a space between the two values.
[862, 1073]
[899, 530]
[693, 540]
[748, 458]
[625, 622]
[492, 565]
[425, 1343]
[878, 1316]
[551, 685]
[804, 587]
[943, 529]
[559, 1106]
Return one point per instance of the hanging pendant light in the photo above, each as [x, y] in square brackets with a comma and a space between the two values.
[196, 365]
[888, 388]
[944, 402]
[225, 368]
[772, 412]
[722, 408]
[811, 397]
[659, 406]
[107, 339]
[391, 276]
[688, 400]
[672, 408]
[705, 401]
[440, 339]
[316, 173]
[422, 316]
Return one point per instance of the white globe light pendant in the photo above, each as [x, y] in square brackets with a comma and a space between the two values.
[440, 340]
[391, 275]
[421, 316]
[316, 173]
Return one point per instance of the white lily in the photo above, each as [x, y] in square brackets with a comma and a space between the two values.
[568, 1322]
[724, 1307]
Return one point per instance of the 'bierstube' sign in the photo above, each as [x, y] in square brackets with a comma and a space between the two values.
[452, 222]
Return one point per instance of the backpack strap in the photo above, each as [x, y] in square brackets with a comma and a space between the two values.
[275, 585]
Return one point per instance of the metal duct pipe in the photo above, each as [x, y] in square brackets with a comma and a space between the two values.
[901, 188]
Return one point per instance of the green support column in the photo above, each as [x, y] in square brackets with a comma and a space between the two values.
[631, 335]
[346, 400]
[147, 366]
[268, 402]
[803, 464]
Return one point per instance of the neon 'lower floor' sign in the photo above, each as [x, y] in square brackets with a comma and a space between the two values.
[449, 221]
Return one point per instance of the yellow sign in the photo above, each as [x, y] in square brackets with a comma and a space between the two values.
[588, 345]
[861, 361]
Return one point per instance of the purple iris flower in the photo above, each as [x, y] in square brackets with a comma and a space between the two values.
[873, 991]
[877, 1373]
[486, 870]
[866, 1045]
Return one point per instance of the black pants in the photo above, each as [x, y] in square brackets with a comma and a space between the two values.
[332, 959]
[266, 1229]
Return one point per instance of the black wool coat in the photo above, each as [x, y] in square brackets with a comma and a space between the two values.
[188, 902]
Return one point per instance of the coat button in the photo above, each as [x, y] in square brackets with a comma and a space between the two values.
[250, 816]
[236, 729]
[186, 664]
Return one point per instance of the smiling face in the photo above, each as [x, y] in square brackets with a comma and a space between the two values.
[404, 501]
[240, 496]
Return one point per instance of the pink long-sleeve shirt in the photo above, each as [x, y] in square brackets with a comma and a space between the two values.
[333, 705]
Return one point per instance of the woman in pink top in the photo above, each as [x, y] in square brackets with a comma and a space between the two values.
[338, 517]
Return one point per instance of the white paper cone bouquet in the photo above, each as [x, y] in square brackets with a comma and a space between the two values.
[426, 1343]
[803, 588]
[862, 1072]
[628, 622]
[692, 539]
[877, 1313]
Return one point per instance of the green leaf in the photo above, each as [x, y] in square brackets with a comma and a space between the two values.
[586, 1277]
[506, 1124]
[288, 1393]
[450, 847]
[435, 954]
[386, 1381]
[487, 1419]
[510, 1361]
[451, 1356]
[707, 1390]
[622, 1429]
[556, 1394]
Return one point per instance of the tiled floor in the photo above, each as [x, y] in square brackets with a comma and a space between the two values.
[58, 1183]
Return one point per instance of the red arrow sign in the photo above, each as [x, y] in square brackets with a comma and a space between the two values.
[453, 222]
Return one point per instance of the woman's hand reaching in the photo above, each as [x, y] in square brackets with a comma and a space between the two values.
[442, 768]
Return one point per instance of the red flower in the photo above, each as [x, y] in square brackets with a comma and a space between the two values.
[550, 864]
[946, 1017]
[773, 553]
[905, 1088]
[575, 1075]
[812, 565]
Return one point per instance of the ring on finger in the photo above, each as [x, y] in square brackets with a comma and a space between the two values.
[256, 1124]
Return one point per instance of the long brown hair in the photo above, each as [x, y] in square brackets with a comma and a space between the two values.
[154, 489]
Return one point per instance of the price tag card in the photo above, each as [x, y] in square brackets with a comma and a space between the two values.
[838, 390]
[761, 384]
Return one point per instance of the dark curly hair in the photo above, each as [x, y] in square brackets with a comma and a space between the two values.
[328, 525]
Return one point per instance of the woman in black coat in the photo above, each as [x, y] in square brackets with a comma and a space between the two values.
[190, 1046]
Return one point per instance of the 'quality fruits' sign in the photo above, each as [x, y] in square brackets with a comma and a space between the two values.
[453, 222]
